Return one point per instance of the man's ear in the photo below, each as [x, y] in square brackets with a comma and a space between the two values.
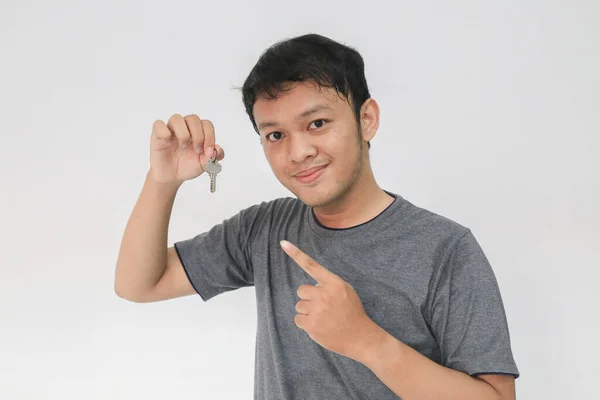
[369, 119]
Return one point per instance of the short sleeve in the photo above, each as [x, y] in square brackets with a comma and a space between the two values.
[218, 261]
[468, 317]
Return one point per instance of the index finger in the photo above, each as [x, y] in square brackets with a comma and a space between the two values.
[310, 266]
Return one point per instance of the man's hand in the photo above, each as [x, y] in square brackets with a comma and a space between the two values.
[180, 149]
[331, 312]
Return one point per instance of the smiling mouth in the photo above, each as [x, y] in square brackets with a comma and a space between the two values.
[310, 175]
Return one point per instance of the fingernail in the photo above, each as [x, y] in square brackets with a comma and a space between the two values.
[209, 151]
[198, 148]
[285, 245]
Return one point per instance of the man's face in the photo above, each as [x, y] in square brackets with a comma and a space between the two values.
[311, 140]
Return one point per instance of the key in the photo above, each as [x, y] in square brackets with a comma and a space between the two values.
[213, 168]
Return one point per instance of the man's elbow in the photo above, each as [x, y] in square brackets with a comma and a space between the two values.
[128, 295]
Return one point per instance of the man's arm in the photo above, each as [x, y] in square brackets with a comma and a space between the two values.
[332, 315]
[412, 376]
[146, 270]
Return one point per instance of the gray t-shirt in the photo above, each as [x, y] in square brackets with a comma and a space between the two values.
[421, 276]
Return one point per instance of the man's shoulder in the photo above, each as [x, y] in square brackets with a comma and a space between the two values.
[426, 221]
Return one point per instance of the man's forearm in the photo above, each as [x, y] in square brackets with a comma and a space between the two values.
[412, 376]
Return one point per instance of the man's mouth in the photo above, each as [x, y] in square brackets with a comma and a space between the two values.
[310, 175]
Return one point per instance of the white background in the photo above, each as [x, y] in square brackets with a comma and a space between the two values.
[489, 116]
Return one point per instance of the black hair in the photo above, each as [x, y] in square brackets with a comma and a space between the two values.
[309, 57]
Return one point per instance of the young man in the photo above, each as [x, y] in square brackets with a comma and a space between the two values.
[360, 293]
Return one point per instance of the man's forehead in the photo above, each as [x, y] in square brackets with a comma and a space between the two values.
[307, 111]
[292, 91]
[296, 102]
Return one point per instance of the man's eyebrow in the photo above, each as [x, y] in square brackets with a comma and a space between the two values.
[304, 114]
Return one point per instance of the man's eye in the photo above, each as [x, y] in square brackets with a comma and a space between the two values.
[273, 136]
[319, 123]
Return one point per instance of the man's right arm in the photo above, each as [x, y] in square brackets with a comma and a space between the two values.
[147, 270]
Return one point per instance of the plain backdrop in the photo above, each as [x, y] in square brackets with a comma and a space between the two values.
[489, 116]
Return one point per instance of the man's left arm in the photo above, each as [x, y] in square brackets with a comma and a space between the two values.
[333, 316]
[412, 376]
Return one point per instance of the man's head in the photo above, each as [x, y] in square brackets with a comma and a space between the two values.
[308, 100]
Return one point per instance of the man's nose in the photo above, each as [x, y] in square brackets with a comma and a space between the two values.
[301, 148]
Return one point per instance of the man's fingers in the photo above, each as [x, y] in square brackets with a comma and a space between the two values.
[310, 266]
[220, 152]
[301, 321]
[209, 137]
[160, 130]
[303, 307]
[196, 129]
[307, 292]
[178, 126]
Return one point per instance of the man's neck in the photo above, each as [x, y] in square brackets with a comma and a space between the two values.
[361, 204]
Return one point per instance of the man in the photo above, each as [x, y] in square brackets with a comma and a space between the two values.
[360, 293]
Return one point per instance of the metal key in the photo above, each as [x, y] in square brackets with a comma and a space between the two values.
[213, 168]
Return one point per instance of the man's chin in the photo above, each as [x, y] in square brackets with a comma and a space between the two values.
[319, 194]
[308, 196]
[315, 197]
